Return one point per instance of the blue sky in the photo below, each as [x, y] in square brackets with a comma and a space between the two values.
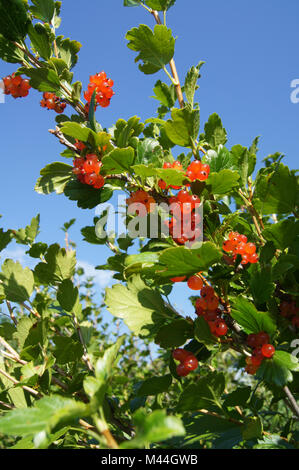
[251, 54]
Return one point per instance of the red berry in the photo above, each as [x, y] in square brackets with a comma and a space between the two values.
[180, 354]
[257, 357]
[201, 303]
[221, 328]
[178, 279]
[228, 246]
[182, 370]
[268, 350]
[191, 363]
[252, 340]
[211, 315]
[212, 303]
[183, 196]
[207, 292]
[250, 248]
[253, 258]
[195, 283]
[167, 165]
[99, 182]
[162, 185]
[262, 338]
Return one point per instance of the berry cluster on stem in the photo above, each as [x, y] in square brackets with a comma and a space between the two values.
[188, 362]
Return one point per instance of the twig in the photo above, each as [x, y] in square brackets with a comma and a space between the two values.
[33, 312]
[11, 312]
[292, 401]
[16, 382]
[6, 405]
[62, 139]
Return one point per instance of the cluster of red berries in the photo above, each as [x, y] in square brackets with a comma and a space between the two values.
[237, 245]
[207, 307]
[195, 171]
[184, 226]
[16, 86]
[140, 203]
[262, 349]
[289, 309]
[198, 171]
[175, 166]
[188, 361]
[88, 170]
[103, 87]
[51, 101]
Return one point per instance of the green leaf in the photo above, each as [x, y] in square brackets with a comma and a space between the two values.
[43, 79]
[160, 5]
[90, 236]
[124, 131]
[138, 305]
[242, 159]
[54, 177]
[276, 193]
[215, 134]
[68, 296]
[14, 20]
[118, 161]
[67, 350]
[37, 250]
[252, 321]
[240, 397]
[165, 94]
[9, 52]
[78, 131]
[223, 182]
[181, 261]
[202, 333]
[5, 238]
[43, 10]
[252, 429]
[183, 127]
[155, 427]
[23, 329]
[149, 151]
[206, 392]
[220, 433]
[155, 48]
[132, 3]
[86, 196]
[278, 370]
[261, 285]
[221, 160]
[17, 283]
[27, 235]
[40, 40]
[48, 413]
[104, 366]
[60, 265]
[68, 50]
[191, 83]
[174, 334]
[154, 386]
[282, 233]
